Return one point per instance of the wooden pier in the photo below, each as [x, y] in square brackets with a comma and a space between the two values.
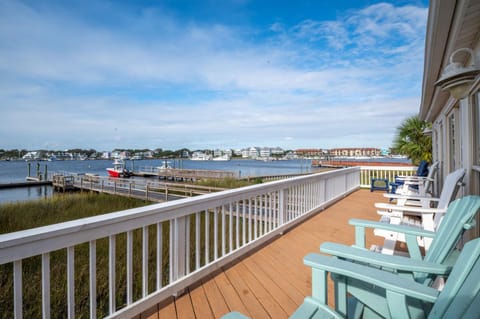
[25, 184]
[177, 174]
[347, 163]
[139, 188]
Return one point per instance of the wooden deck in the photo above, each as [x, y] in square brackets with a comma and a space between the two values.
[273, 281]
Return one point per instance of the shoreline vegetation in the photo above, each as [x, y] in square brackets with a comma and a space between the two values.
[70, 206]
[57, 209]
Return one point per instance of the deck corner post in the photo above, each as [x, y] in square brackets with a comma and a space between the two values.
[282, 207]
[179, 249]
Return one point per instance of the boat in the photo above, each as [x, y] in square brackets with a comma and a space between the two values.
[224, 157]
[164, 166]
[199, 156]
[118, 169]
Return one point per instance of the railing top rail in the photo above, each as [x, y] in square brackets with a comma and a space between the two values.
[388, 168]
[70, 233]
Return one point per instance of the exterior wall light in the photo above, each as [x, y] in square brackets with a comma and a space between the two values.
[456, 78]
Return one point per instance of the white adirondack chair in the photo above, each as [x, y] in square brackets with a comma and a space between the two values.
[421, 215]
[416, 185]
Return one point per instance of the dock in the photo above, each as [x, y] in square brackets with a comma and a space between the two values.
[140, 188]
[180, 174]
[348, 163]
[25, 184]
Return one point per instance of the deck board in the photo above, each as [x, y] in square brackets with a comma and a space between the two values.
[215, 298]
[272, 282]
[230, 295]
[200, 303]
[254, 309]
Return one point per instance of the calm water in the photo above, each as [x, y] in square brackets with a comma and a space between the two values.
[16, 171]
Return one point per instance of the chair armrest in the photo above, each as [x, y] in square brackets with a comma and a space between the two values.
[390, 261]
[412, 197]
[410, 178]
[407, 230]
[389, 281]
[409, 209]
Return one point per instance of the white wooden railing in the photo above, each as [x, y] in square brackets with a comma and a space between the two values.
[127, 261]
[385, 172]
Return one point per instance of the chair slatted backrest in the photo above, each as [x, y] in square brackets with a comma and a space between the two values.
[460, 216]
[422, 169]
[461, 294]
[449, 193]
[432, 171]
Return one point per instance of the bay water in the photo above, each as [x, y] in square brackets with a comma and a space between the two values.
[17, 171]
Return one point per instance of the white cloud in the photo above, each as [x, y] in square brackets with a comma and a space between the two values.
[160, 82]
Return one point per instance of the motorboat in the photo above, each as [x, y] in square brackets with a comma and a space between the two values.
[224, 157]
[199, 156]
[118, 169]
[165, 165]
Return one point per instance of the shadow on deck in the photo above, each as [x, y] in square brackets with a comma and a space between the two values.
[272, 281]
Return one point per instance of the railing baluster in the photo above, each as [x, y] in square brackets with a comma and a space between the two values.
[71, 281]
[207, 237]
[270, 211]
[215, 234]
[17, 289]
[244, 224]
[93, 278]
[197, 240]
[237, 225]
[46, 285]
[159, 255]
[255, 218]
[261, 214]
[129, 267]
[111, 274]
[230, 227]
[187, 244]
[223, 229]
[171, 251]
[145, 261]
[249, 220]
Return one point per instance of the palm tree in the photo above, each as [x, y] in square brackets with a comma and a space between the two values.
[412, 141]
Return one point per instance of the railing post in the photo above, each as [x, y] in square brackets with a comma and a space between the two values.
[282, 207]
[179, 233]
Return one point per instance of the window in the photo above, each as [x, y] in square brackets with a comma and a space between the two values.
[453, 142]
[476, 126]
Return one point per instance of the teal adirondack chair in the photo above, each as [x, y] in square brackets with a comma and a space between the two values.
[460, 217]
[388, 295]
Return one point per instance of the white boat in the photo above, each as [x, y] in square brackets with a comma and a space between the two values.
[164, 166]
[199, 156]
[224, 157]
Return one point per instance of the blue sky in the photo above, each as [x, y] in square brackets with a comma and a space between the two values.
[208, 74]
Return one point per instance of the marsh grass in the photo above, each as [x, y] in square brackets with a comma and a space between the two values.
[19, 216]
[228, 182]
[61, 208]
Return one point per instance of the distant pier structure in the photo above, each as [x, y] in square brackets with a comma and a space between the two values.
[140, 188]
[181, 174]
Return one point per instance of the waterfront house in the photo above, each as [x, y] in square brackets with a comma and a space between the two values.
[452, 104]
